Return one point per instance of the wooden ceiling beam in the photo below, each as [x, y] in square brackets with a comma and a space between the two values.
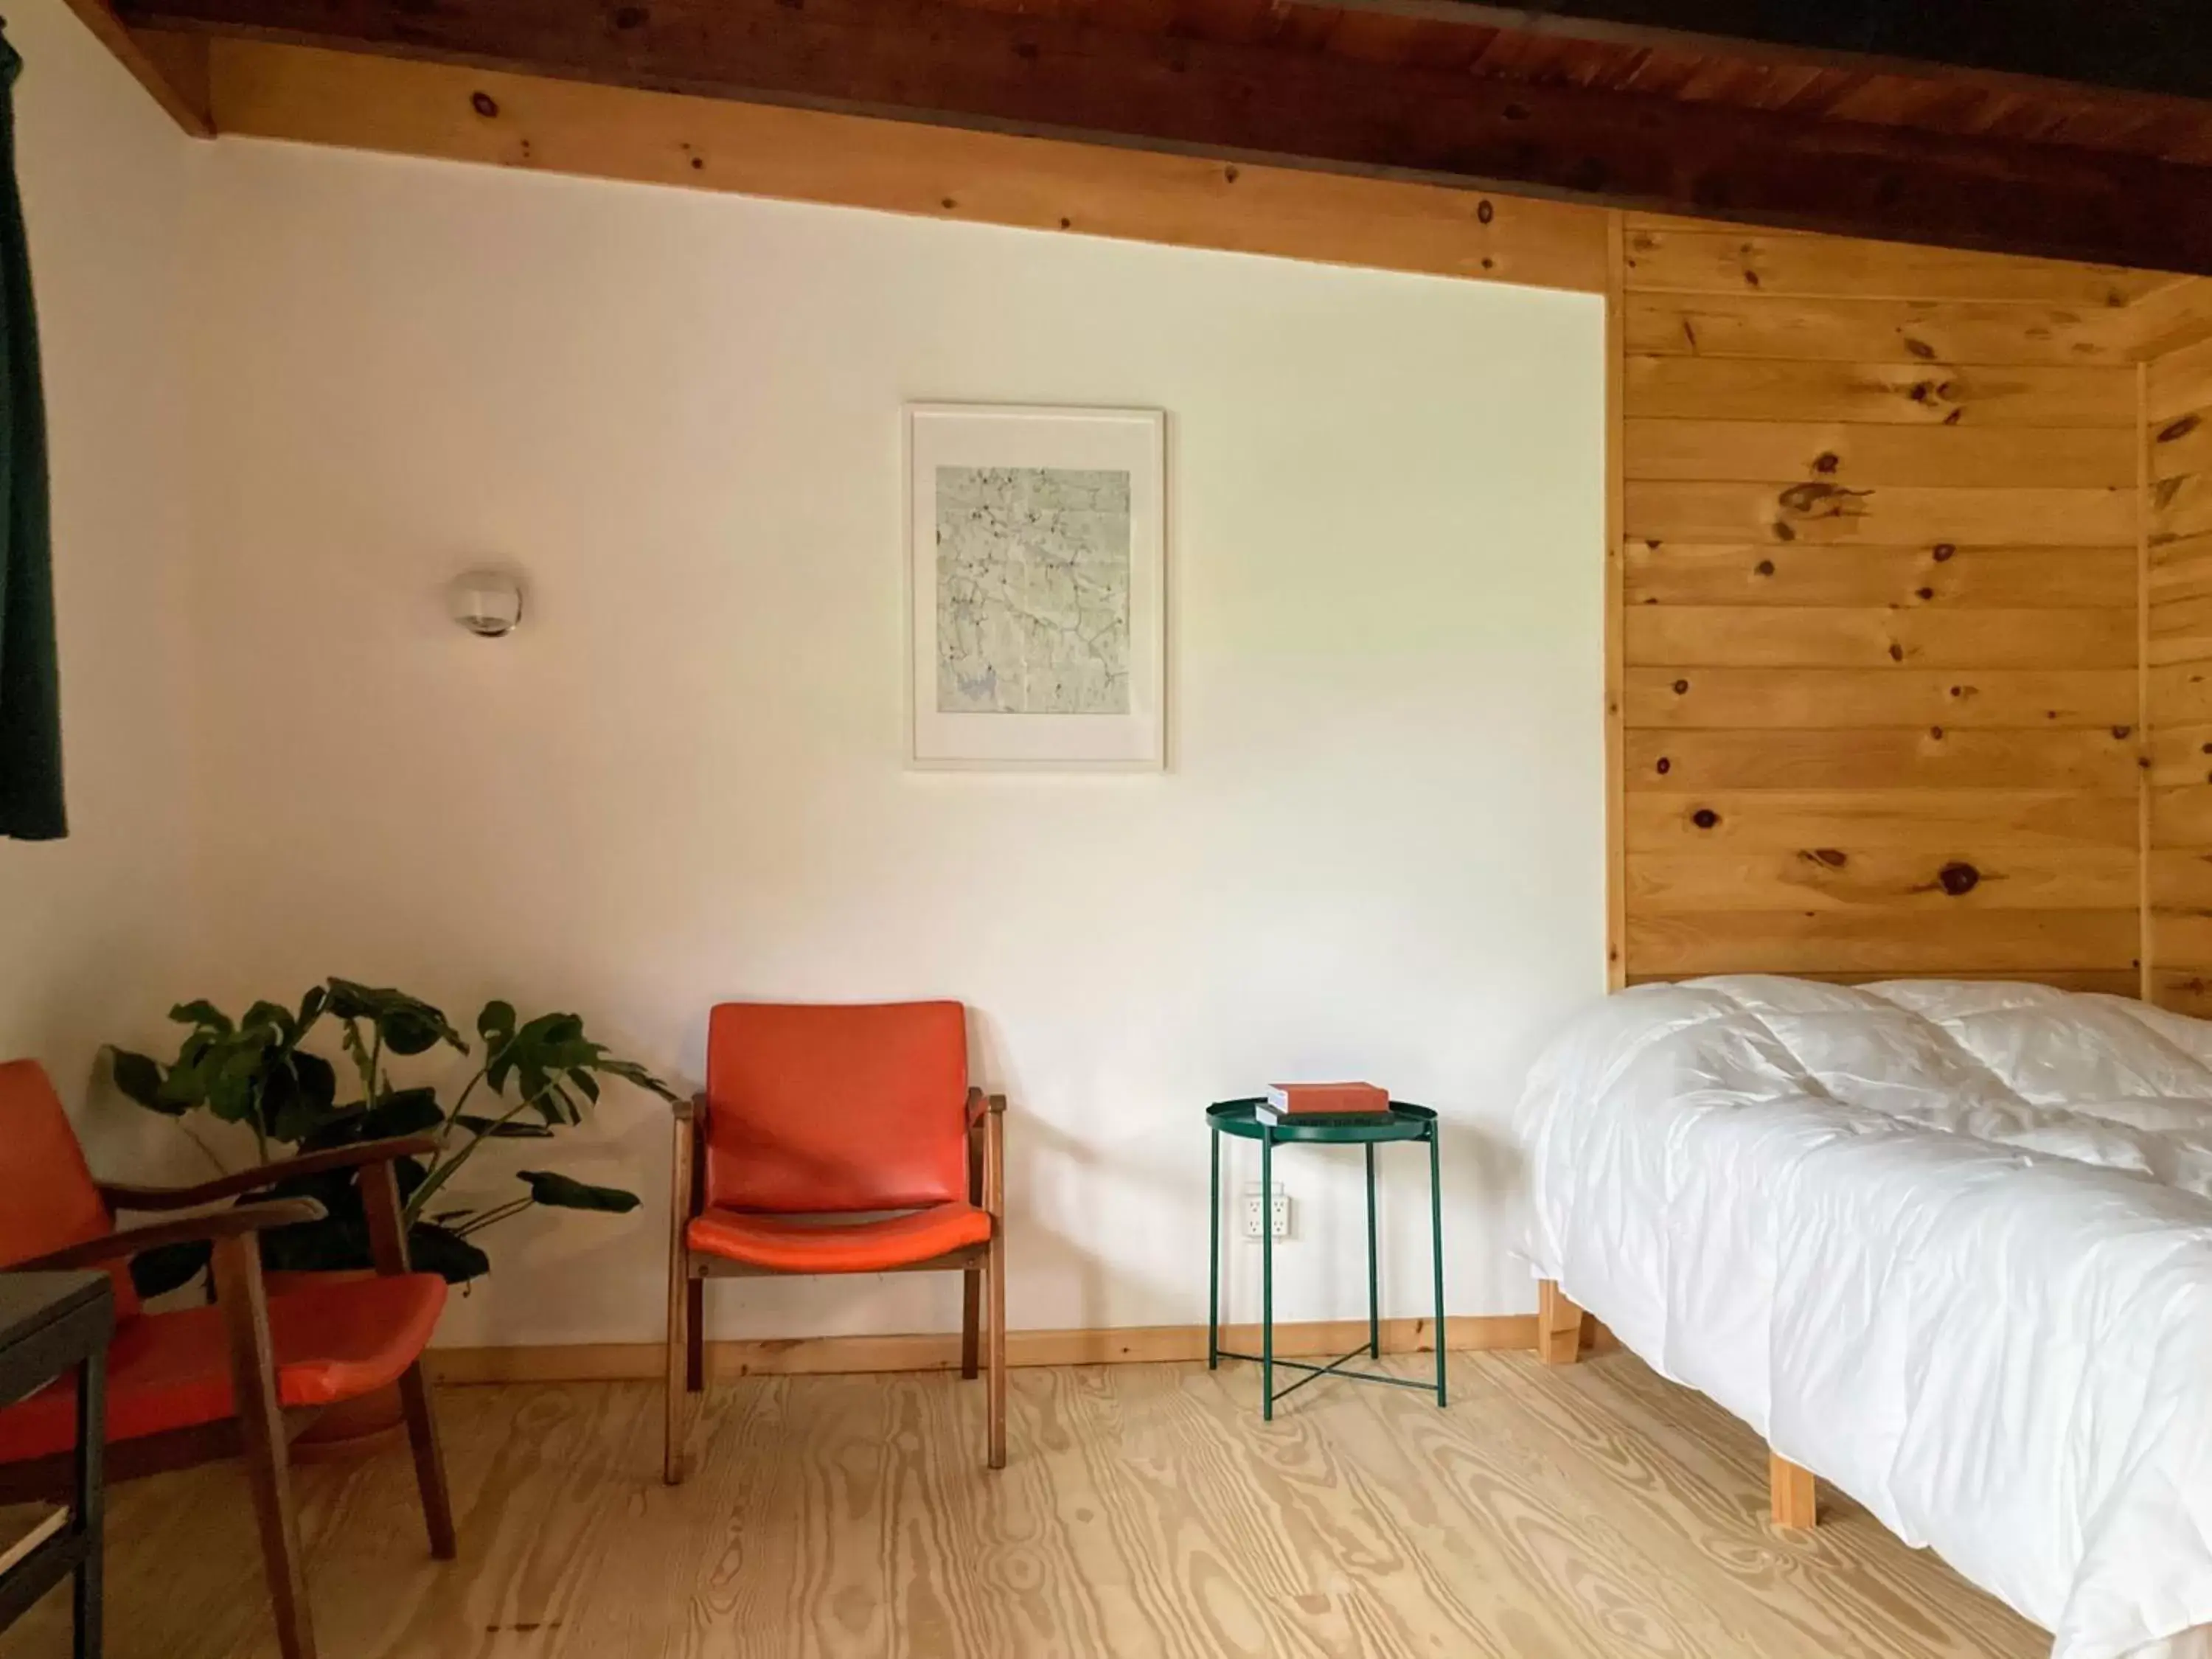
[172, 67]
[2162, 48]
[405, 106]
[1058, 76]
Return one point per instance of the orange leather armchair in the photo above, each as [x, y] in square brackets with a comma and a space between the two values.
[838, 1140]
[236, 1378]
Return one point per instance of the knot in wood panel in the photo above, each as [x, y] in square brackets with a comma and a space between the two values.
[1824, 500]
[1958, 878]
[1705, 817]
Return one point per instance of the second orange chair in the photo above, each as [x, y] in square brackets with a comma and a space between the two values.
[838, 1140]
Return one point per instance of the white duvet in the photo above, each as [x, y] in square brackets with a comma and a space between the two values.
[1947, 1245]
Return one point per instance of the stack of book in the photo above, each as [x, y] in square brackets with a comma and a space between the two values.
[1309, 1103]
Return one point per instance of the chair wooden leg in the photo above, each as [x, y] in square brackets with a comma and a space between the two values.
[672, 1455]
[1793, 1495]
[387, 1247]
[685, 1357]
[971, 1306]
[695, 1336]
[418, 1399]
[994, 1281]
[1558, 1326]
[245, 1307]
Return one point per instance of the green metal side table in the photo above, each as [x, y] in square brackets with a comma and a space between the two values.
[1402, 1122]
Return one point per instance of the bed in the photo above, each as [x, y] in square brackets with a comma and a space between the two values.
[1946, 1245]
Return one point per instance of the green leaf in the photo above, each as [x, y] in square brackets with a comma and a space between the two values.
[496, 1024]
[165, 1266]
[139, 1077]
[319, 1080]
[408, 1025]
[297, 1099]
[563, 1192]
[403, 1112]
[510, 1130]
[342, 1128]
[408, 1032]
[234, 1090]
[336, 1242]
[202, 1013]
[311, 1007]
[273, 1018]
[631, 1071]
[432, 1248]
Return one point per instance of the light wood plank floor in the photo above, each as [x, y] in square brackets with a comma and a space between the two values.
[1550, 1514]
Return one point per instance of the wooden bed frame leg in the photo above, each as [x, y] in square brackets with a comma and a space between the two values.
[1793, 1493]
[1558, 1326]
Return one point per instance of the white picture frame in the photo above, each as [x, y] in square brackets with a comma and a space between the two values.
[1003, 497]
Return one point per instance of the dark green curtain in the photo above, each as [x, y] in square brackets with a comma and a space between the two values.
[30, 693]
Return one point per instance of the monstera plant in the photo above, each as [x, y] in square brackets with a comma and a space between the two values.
[533, 1078]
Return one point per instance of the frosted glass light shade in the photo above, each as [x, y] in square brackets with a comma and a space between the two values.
[485, 602]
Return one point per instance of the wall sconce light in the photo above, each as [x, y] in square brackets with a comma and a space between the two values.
[488, 603]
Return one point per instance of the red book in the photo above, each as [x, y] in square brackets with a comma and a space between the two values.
[1327, 1099]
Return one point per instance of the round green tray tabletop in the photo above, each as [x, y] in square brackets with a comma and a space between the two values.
[1403, 1122]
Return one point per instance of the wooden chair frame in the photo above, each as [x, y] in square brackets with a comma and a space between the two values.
[262, 1431]
[1793, 1495]
[983, 1289]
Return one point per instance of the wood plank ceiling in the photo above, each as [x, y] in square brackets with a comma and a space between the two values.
[1604, 102]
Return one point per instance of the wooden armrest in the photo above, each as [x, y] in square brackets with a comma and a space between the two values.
[191, 1228]
[684, 1110]
[981, 1105]
[266, 1174]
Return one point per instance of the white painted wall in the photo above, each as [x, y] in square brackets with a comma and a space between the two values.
[1379, 852]
[93, 929]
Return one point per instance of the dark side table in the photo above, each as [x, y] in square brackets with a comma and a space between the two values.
[50, 1323]
[1403, 1122]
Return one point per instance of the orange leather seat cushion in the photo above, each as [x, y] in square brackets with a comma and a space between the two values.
[815, 1107]
[796, 1245]
[171, 1370]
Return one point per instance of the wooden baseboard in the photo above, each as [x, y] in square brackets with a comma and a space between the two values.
[606, 1362]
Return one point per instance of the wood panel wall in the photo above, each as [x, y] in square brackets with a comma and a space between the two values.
[1879, 702]
[2178, 472]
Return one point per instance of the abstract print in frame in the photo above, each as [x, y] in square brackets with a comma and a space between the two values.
[1037, 586]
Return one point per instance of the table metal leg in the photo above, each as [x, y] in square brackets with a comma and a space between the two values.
[89, 1520]
[1266, 1275]
[1373, 1301]
[1213, 1256]
[1436, 1250]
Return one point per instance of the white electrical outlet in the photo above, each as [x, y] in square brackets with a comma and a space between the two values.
[1278, 1213]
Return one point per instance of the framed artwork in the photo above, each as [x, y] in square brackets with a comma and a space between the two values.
[1036, 582]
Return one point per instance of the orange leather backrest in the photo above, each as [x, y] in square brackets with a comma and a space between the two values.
[46, 1196]
[823, 1108]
